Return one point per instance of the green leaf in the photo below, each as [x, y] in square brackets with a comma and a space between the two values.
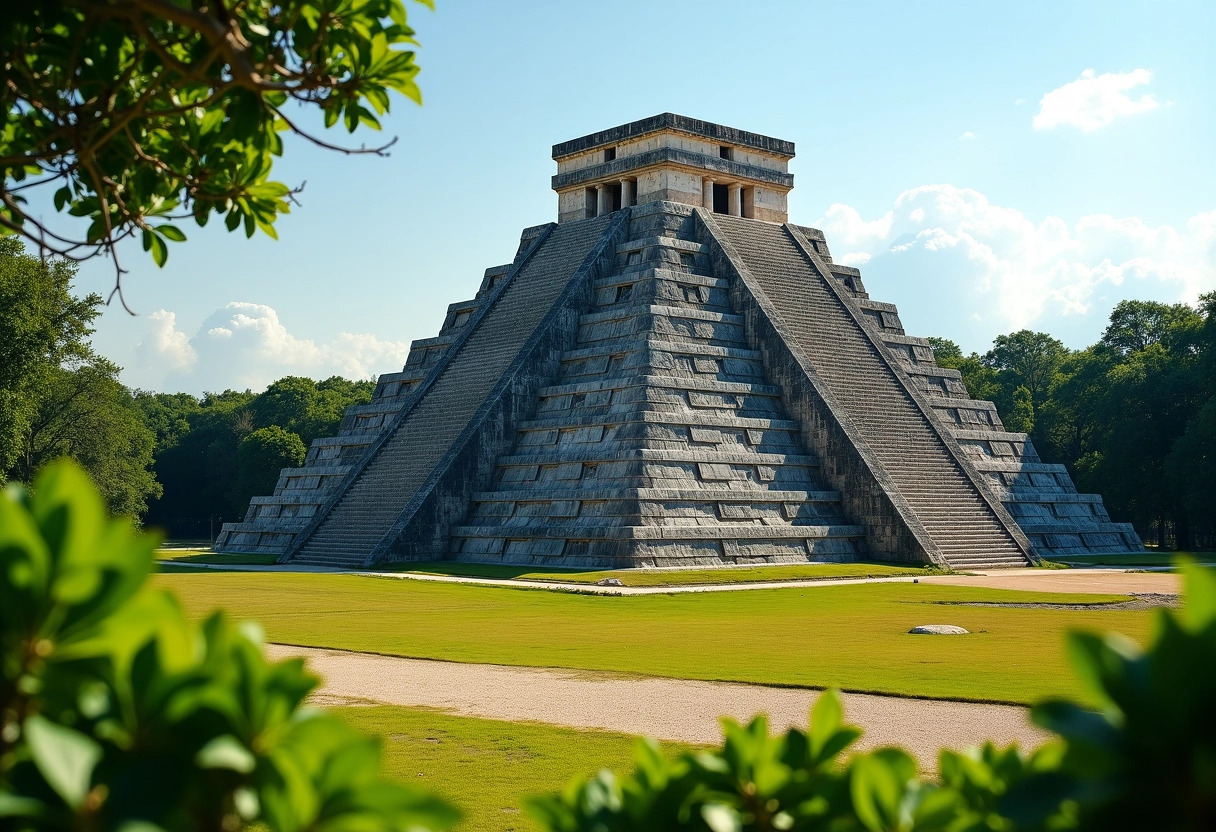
[140, 826]
[1199, 582]
[1100, 660]
[877, 784]
[66, 758]
[1075, 723]
[828, 736]
[226, 752]
[160, 252]
[721, 818]
[171, 232]
[16, 806]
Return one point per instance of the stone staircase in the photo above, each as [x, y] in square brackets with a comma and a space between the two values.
[660, 442]
[1040, 496]
[273, 522]
[362, 515]
[944, 497]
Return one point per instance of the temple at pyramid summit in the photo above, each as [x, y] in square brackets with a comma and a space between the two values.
[673, 374]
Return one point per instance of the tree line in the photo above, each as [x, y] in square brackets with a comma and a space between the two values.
[1133, 416]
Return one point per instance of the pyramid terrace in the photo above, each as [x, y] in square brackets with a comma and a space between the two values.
[674, 375]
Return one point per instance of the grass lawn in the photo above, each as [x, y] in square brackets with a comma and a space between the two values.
[484, 766]
[663, 577]
[1134, 559]
[853, 637]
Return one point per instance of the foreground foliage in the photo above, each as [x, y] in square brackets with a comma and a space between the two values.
[137, 113]
[1145, 760]
[118, 713]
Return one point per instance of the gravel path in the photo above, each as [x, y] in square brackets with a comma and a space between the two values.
[1098, 580]
[667, 709]
[1095, 581]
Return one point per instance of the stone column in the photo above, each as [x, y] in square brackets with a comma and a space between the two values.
[603, 201]
[628, 193]
[707, 194]
[734, 203]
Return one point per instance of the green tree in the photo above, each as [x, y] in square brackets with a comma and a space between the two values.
[167, 415]
[119, 713]
[307, 407]
[85, 413]
[136, 113]
[1020, 415]
[57, 397]
[1026, 359]
[979, 379]
[1138, 324]
[1191, 467]
[197, 471]
[1191, 464]
[1151, 390]
[1066, 424]
[944, 350]
[41, 326]
[259, 458]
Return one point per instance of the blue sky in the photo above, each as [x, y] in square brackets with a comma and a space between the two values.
[988, 166]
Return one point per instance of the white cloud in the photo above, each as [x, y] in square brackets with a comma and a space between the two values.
[165, 344]
[1093, 101]
[967, 136]
[245, 345]
[947, 254]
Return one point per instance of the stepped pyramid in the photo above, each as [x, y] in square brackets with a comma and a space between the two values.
[673, 375]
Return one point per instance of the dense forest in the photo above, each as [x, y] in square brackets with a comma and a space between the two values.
[1132, 416]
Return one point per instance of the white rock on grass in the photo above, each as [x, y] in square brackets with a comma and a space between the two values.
[938, 630]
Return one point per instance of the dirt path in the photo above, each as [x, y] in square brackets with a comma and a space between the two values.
[667, 709]
[1095, 581]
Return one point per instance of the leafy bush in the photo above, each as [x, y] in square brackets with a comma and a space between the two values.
[118, 713]
[1146, 761]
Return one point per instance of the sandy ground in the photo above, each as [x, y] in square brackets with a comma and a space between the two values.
[1097, 581]
[667, 709]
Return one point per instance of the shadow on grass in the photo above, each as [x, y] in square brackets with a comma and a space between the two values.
[184, 556]
[502, 571]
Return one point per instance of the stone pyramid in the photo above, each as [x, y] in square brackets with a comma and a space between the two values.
[673, 375]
